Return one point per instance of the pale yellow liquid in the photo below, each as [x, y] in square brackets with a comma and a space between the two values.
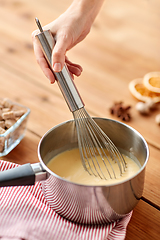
[68, 165]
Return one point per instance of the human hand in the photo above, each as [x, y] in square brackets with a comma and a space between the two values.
[73, 68]
[68, 29]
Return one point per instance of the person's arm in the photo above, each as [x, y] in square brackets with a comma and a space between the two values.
[68, 29]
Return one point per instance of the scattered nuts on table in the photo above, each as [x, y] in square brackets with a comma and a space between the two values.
[145, 107]
[142, 108]
[151, 104]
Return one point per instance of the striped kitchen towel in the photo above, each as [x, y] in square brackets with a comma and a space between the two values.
[25, 215]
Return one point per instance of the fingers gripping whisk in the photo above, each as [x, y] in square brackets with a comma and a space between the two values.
[100, 157]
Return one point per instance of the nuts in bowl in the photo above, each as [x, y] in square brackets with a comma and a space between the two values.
[13, 120]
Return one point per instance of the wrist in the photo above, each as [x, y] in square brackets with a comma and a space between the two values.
[87, 8]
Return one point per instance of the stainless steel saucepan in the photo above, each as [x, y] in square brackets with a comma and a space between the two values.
[82, 203]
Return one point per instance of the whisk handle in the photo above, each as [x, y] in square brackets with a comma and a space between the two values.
[63, 78]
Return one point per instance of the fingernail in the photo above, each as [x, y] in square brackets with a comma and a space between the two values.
[79, 72]
[57, 67]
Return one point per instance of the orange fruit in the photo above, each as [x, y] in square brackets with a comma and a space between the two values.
[152, 81]
[140, 92]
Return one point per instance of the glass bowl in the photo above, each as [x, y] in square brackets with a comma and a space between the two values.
[13, 117]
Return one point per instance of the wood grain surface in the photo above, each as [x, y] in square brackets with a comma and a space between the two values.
[122, 45]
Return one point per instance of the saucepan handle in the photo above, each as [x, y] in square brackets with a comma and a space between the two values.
[23, 175]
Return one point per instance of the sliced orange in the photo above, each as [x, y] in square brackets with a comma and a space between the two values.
[152, 81]
[140, 92]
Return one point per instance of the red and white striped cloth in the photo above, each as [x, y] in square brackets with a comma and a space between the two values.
[25, 214]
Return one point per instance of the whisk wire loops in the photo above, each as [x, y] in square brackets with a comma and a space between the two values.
[96, 149]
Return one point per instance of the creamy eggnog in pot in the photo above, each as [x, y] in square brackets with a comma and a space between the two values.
[68, 165]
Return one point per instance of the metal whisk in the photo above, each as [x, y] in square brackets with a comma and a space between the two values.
[100, 157]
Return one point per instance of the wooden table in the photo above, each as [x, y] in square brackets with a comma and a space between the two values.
[123, 44]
